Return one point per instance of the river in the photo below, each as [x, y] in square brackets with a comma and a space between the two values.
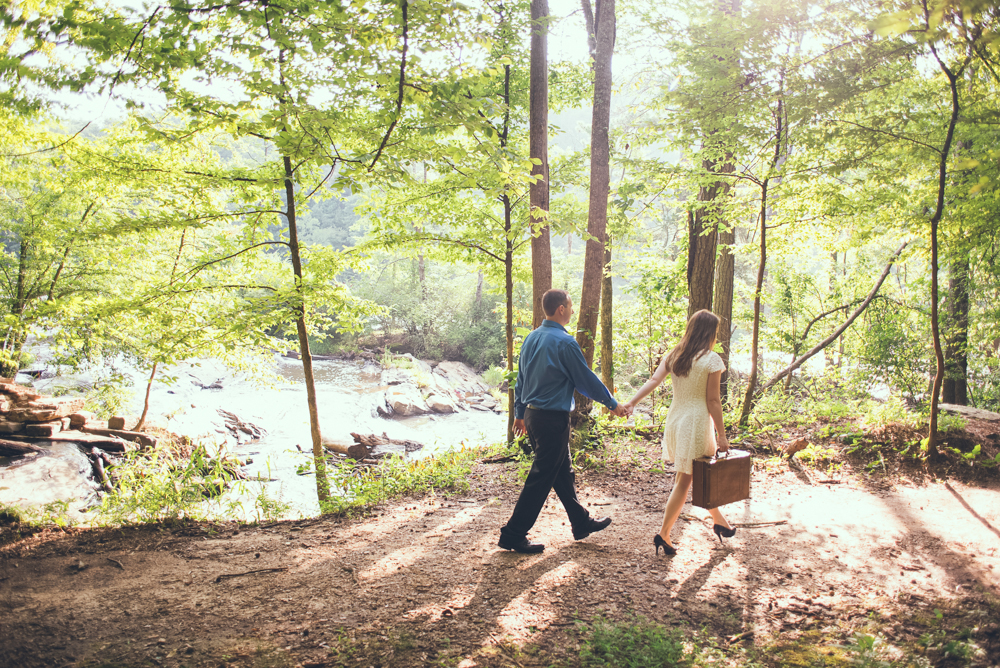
[347, 395]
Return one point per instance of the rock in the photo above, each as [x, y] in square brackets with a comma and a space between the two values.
[59, 473]
[43, 410]
[43, 429]
[488, 401]
[116, 422]
[5, 404]
[80, 418]
[461, 378]
[405, 400]
[19, 392]
[418, 365]
[394, 376]
[970, 412]
[441, 404]
[7, 427]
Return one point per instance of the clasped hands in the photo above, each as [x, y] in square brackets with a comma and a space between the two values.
[622, 410]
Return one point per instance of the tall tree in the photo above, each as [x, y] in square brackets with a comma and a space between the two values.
[541, 249]
[603, 32]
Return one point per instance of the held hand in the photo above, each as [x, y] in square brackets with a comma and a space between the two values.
[519, 429]
[619, 411]
[723, 444]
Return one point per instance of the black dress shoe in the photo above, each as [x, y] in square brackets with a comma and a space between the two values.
[592, 526]
[524, 546]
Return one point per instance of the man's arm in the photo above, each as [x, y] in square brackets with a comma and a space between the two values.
[584, 379]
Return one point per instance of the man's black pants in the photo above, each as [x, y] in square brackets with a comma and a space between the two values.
[548, 433]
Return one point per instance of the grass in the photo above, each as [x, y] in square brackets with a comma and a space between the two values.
[358, 488]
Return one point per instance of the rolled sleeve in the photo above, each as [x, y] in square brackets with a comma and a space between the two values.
[584, 379]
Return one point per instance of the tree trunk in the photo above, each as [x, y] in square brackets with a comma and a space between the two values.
[600, 180]
[541, 250]
[703, 227]
[607, 349]
[508, 268]
[955, 388]
[319, 458]
[722, 301]
[145, 404]
[748, 399]
[932, 434]
[479, 294]
[755, 344]
[588, 311]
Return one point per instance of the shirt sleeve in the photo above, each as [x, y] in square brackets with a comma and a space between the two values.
[715, 362]
[584, 379]
[518, 403]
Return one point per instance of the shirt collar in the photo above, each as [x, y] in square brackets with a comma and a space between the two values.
[552, 323]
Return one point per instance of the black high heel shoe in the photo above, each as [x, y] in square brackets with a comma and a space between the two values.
[722, 531]
[668, 549]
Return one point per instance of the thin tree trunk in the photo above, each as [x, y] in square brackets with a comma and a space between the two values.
[479, 293]
[932, 435]
[748, 399]
[508, 267]
[145, 404]
[319, 457]
[755, 344]
[541, 250]
[607, 349]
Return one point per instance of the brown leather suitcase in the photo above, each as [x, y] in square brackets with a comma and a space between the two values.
[721, 480]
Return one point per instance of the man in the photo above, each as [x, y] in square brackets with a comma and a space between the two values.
[551, 367]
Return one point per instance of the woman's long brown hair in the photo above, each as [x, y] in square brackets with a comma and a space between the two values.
[698, 340]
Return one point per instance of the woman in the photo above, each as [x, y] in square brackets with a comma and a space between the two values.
[694, 419]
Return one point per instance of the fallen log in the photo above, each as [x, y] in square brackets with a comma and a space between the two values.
[102, 477]
[144, 440]
[104, 442]
[370, 441]
[354, 451]
[17, 448]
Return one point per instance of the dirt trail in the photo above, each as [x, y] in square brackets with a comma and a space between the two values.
[422, 581]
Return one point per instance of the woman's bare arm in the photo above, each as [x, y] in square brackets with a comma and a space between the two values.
[650, 385]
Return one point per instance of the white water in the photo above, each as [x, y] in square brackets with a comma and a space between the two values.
[346, 396]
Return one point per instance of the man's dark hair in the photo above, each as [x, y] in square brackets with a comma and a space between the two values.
[552, 300]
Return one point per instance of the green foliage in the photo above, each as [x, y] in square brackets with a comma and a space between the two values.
[356, 488]
[633, 643]
[153, 487]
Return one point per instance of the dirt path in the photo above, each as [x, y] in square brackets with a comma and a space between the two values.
[422, 582]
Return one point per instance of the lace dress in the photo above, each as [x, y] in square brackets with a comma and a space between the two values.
[689, 432]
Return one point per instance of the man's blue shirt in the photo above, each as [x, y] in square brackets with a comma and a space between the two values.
[551, 366]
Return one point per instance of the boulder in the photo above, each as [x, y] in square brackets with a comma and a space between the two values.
[395, 376]
[80, 418]
[59, 473]
[7, 427]
[43, 429]
[405, 400]
[441, 404]
[19, 392]
[461, 378]
[116, 422]
[50, 408]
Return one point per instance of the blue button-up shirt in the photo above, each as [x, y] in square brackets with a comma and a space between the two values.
[551, 366]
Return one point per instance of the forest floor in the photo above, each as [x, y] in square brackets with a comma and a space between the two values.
[845, 566]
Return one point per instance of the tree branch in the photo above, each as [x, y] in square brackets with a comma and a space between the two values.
[402, 85]
[840, 330]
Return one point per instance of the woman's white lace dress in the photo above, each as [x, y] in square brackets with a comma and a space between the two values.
[688, 432]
